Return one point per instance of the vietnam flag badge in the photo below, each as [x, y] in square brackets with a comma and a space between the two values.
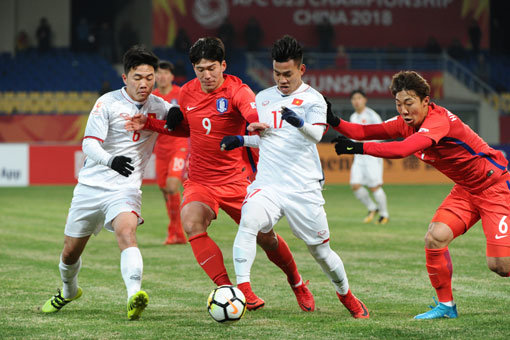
[297, 101]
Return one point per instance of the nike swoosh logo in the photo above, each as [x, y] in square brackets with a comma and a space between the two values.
[189, 108]
[305, 307]
[233, 306]
[207, 259]
[350, 148]
[500, 236]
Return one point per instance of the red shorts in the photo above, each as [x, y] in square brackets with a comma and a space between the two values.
[229, 197]
[492, 206]
[173, 165]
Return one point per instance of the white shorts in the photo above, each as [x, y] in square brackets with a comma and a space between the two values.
[92, 208]
[367, 170]
[264, 207]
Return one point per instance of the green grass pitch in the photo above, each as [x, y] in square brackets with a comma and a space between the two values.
[385, 265]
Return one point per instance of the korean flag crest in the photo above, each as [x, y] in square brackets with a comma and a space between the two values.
[222, 105]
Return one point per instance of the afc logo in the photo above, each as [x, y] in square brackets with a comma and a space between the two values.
[222, 105]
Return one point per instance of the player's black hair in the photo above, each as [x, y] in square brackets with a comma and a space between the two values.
[287, 48]
[360, 91]
[410, 81]
[166, 65]
[209, 48]
[139, 55]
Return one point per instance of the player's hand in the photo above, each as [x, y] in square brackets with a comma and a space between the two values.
[135, 123]
[258, 127]
[231, 142]
[291, 117]
[173, 118]
[346, 146]
[122, 165]
[333, 120]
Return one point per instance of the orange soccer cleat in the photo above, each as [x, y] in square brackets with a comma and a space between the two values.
[357, 308]
[304, 297]
[253, 302]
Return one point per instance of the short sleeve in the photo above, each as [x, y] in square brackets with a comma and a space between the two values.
[244, 102]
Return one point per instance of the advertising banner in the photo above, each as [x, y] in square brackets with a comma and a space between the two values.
[13, 165]
[374, 23]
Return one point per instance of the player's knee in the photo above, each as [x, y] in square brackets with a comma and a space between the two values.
[268, 241]
[438, 236]
[499, 266]
[320, 252]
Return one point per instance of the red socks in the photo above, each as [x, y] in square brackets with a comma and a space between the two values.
[173, 209]
[282, 257]
[439, 267]
[210, 258]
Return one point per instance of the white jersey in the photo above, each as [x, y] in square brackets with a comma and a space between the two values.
[287, 159]
[366, 117]
[106, 124]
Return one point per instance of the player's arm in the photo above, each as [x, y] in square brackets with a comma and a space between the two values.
[398, 149]
[92, 145]
[313, 132]
[142, 122]
[237, 141]
[353, 130]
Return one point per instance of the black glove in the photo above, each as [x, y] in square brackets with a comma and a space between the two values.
[291, 117]
[173, 118]
[122, 165]
[231, 142]
[346, 146]
[333, 120]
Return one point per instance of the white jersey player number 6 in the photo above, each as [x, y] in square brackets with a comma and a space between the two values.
[206, 123]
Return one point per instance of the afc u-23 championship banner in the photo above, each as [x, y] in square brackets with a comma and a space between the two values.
[357, 23]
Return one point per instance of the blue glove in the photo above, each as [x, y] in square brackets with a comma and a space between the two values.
[291, 117]
[231, 142]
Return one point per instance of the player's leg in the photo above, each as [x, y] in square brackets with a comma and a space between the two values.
[81, 223]
[374, 182]
[360, 192]
[494, 206]
[453, 218]
[198, 210]
[172, 188]
[255, 217]
[131, 263]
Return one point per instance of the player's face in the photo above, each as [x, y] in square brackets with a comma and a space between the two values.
[164, 77]
[139, 82]
[210, 74]
[358, 102]
[287, 75]
[412, 109]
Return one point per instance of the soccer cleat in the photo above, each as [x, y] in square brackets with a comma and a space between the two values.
[58, 301]
[383, 220]
[354, 305]
[304, 297]
[370, 216]
[136, 304]
[253, 302]
[439, 311]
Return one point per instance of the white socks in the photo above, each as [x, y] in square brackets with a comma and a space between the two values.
[69, 275]
[331, 265]
[363, 195]
[245, 249]
[380, 198]
[131, 267]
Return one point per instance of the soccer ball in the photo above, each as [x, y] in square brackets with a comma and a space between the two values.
[226, 304]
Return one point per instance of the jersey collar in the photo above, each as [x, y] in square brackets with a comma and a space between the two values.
[129, 99]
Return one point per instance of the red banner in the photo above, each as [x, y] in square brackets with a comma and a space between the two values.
[367, 23]
[40, 128]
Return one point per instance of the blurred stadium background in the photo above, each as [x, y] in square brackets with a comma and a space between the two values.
[58, 56]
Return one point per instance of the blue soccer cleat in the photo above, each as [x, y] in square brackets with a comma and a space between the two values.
[439, 311]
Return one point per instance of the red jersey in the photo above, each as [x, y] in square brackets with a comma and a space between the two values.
[457, 151]
[210, 117]
[166, 143]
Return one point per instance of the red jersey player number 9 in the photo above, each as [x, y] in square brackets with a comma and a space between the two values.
[206, 123]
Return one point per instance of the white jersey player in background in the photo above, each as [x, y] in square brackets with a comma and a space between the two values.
[367, 170]
[108, 191]
[292, 120]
